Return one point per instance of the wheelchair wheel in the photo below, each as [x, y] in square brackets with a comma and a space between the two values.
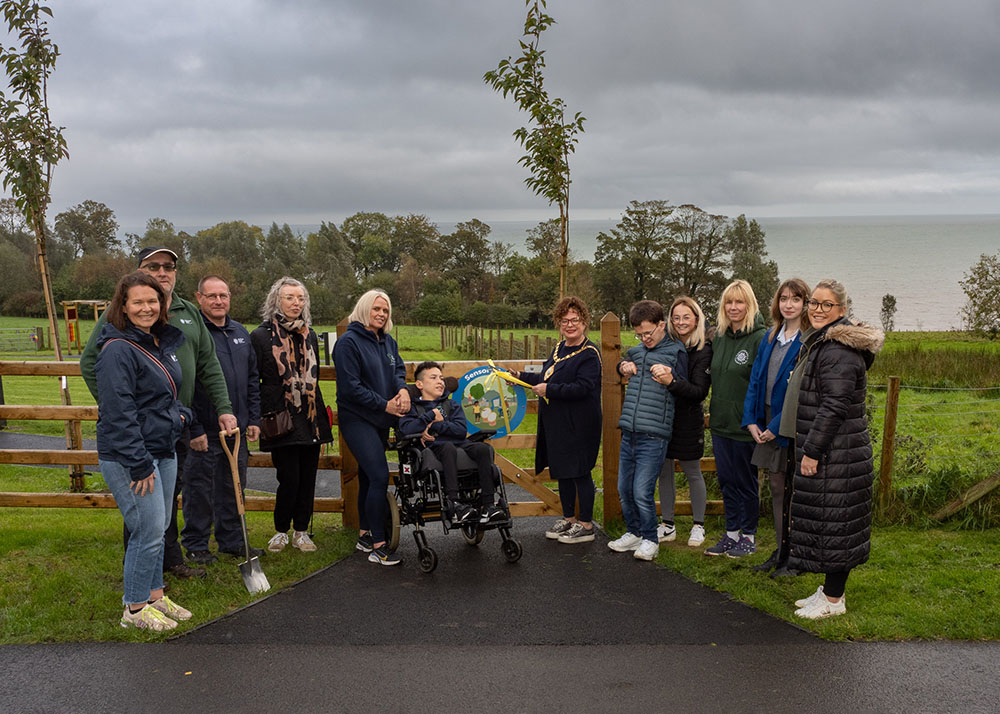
[391, 522]
[511, 550]
[428, 560]
[472, 534]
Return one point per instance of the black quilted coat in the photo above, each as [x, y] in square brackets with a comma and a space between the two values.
[688, 439]
[831, 512]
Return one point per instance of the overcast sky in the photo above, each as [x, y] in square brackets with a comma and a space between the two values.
[201, 111]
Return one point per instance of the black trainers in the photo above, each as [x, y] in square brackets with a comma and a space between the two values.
[365, 543]
[382, 556]
[493, 514]
[201, 557]
[465, 514]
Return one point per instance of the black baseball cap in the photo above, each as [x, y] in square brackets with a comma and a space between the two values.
[146, 252]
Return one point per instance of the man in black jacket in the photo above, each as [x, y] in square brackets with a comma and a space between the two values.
[208, 484]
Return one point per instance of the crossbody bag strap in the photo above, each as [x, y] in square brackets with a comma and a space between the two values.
[151, 356]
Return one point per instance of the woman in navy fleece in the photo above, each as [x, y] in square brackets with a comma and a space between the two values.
[371, 396]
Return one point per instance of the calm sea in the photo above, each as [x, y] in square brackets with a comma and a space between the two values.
[918, 259]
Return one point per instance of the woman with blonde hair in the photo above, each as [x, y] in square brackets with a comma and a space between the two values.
[762, 408]
[734, 348]
[686, 324]
[294, 422]
[371, 396]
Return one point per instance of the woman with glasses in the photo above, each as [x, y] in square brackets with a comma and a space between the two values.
[763, 406]
[569, 422]
[687, 441]
[734, 349]
[287, 352]
[831, 508]
[371, 396]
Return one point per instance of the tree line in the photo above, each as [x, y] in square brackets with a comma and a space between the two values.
[656, 251]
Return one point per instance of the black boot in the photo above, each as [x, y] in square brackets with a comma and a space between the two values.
[771, 562]
[783, 570]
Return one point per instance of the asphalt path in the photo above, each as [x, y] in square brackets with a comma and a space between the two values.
[566, 628]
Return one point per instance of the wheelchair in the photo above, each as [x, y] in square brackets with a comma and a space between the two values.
[419, 499]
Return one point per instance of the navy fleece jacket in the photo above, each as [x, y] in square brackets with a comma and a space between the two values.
[370, 372]
[454, 427]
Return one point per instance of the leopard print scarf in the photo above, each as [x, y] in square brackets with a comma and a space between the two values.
[298, 369]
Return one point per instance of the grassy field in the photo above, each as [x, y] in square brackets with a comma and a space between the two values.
[924, 580]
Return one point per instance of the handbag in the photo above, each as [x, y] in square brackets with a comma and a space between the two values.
[275, 425]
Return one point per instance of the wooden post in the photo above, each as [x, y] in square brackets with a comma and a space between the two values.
[888, 443]
[526, 347]
[444, 341]
[534, 347]
[510, 352]
[491, 352]
[348, 467]
[611, 406]
[3, 422]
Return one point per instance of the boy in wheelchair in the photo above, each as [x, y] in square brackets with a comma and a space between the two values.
[442, 426]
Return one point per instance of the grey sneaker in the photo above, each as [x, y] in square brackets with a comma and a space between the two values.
[558, 528]
[577, 534]
[742, 549]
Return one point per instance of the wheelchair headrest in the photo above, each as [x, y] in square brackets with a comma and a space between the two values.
[450, 386]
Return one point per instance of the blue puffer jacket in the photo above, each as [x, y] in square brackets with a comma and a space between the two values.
[139, 416]
[370, 372]
[649, 405]
[753, 404]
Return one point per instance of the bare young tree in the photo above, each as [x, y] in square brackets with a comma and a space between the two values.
[551, 139]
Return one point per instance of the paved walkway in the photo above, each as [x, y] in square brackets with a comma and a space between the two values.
[568, 628]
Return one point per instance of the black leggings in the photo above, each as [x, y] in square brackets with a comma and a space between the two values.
[570, 489]
[835, 583]
[367, 443]
[295, 467]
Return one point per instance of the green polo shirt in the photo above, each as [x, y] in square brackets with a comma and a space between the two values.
[196, 356]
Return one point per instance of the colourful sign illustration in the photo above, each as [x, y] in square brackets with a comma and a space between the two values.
[489, 402]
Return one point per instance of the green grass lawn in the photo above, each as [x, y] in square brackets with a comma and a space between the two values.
[60, 569]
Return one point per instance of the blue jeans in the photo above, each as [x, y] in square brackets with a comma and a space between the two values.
[639, 462]
[146, 518]
[738, 483]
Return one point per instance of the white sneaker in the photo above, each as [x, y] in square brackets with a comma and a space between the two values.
[697, 536]
[647, 550]
[821, 608]
[665, 533]
[303, 542]
[629, 541]
[278, 542]
[805, 602]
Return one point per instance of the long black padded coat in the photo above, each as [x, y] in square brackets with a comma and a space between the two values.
[831, 512]
[688, 439]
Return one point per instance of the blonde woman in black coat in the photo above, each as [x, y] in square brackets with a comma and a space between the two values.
[830, 530]
[686, 323]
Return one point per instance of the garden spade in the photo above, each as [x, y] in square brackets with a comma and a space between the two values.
[253, 576]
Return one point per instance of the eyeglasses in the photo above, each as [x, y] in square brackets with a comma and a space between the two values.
[293, 298]
[157, 267]
[823, 306]
[570, 321]
[644, 335]
[682, 318]
[216, 296]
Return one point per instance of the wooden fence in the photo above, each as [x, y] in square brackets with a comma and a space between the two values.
[612, 393]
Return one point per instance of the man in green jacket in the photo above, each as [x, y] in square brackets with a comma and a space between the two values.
[198, 362]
